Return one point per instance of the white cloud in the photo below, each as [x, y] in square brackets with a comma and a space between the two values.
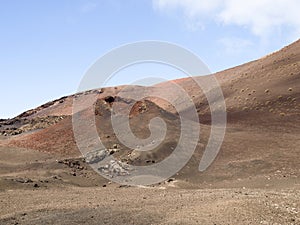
[261, 17]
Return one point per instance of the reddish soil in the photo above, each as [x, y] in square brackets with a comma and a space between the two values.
[255, 178]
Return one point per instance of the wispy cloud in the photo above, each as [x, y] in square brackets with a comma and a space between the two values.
[262, 17]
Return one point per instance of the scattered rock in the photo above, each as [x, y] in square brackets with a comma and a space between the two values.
[109, 99]
[112, 151]
[124, 186]
[75, 164]
[23, 180]
[73, 174]
[115, 168]
[20, 125]
[95, 156]
[171, 180]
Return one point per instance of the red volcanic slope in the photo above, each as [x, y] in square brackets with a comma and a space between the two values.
[261, 93]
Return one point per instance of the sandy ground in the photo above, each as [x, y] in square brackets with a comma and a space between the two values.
[255, 178]
[150, 206]
[37, 188]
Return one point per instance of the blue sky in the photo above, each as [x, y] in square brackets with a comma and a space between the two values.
[46, 46]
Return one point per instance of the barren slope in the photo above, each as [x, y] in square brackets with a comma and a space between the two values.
[262, 99]
[254, 180]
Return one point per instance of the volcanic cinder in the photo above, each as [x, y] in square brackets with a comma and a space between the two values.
[255, 178]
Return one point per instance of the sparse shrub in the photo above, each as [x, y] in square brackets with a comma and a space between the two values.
[267, 91]
[282, 114]
[290, 89]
